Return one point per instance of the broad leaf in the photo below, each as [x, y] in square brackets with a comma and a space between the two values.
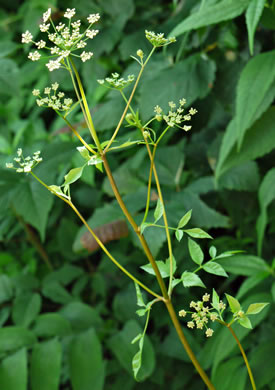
[13, 371]
[15, 337]
[51, 324]
[189, 279]
[214, 268]
[6, 288]
[73, 175]
[45, 369]
[233, 303]
[195, 251]
[266, 196]
[164, 267]
[86, 362]
[197, 233]
[245, 322]
[256, 308]
[158, 211]
[224, 10]
[252, 17]
[185, 219]
[255, 81]
[26, 308]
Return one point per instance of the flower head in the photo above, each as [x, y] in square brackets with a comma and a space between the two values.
[25, 165]
[158, 40]
[116, 82]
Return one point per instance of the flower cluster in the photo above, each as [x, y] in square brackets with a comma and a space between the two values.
[53, 98]
[158, 40]
[64, 39]
[175, 116]
[26, 164]
[202, 314]
[116, 82]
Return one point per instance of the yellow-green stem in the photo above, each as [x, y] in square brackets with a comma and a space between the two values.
[86, 107]
[102, 246]
[244, 356]
[128, 102]
[164, 214]
[149, 187]
[186, 346]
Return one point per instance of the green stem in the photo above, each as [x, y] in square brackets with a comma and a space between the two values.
[244, 356]
[102, 246]
[169, 243]
[186, 346]
[149, 188]
[86, 108]
[128, 102]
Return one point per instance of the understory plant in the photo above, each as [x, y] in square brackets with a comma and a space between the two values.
[65, 45]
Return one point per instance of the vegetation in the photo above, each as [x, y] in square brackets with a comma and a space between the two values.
[146, 186]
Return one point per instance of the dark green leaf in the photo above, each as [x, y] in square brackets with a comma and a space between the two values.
[56, 292]
[245, 265]
[252, 17]
[6, 288]
[87, 368]
[13, 371]
[26, 308]
[81, 316]
[51, 324]
[45, 367]
[212, 14]
[15, 337]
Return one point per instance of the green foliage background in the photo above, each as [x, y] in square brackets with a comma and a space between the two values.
[70, 325]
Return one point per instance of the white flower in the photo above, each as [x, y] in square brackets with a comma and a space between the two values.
[206, 297]
[91, 33]
[47, 90]
[209, 332]
[186, 128]
[182, 313]
[40, 44]
[93, 18]
[27, 168]
[19, 152]
[192, 111]
[44, 27]
[190, 324]
[52, 65]
[70, 12]
[81, 44]
[9, 165]
[85, 56]
[36, 92]
[55, 86]
[182, 102]
[60, 94]
[76, 24]
[46, 15]
[26, 37]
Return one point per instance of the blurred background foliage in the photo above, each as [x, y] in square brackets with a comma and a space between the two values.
[67, 315]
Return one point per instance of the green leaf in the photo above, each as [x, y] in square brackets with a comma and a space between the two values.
[255, 81]
[164, 268]
[81, 316]
[153, 91]
[15, 337]
[7, 47]
[255, 308]
[190, 279]
[215, 300]
[245, 265]
[195, 251]
[95, 160]
[56, 292]
[45, 369]
[233, 303]
[212, 14]
[141, 312]
[140, 301]
[197, 233]
[266, 195]
[121, 347]
[137, 338]
[87, 368]
[137, 359]
[244, 177]
[143, 226]
[185, 219]
[214, 268]
[245, 322]
[179, 234]
[158, 211]
[26, 308]
[212, 252]
[13, 371]
[51, 324]
[9, 80]
[6, 288]
[73, 175]
[252, 17]
[84, 152]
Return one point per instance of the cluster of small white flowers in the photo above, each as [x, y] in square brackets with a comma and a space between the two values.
[65, 39]
[201, 315]
[116, 82]
[53, 100]
[175, 115]
[158, 40]
[24, 165]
